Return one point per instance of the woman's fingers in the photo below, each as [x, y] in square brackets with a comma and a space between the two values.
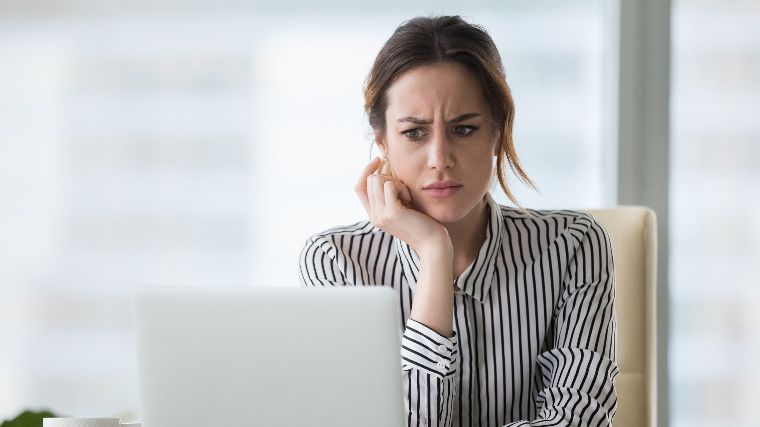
[361, 185]
[369, 170]
[380, 192]
[376, 198]
[391, 193]
[397, 193]
[401, 191]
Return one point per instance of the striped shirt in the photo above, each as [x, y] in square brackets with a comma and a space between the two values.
[534, 319]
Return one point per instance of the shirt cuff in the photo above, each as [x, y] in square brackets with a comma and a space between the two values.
[424, 348]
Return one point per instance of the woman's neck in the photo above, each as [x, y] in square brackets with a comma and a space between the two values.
[467, 236]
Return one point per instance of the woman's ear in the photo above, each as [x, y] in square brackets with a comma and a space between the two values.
[380, 142]
[496, 143]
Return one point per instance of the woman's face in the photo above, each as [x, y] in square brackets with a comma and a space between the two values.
[439, 128]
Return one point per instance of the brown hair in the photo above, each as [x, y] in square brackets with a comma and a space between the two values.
[426, 40]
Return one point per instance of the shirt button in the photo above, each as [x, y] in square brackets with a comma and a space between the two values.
[442, 348]
[441, 365]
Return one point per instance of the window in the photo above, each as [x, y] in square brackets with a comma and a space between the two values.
[715, 201]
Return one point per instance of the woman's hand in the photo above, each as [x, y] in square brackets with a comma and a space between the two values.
[387, 201]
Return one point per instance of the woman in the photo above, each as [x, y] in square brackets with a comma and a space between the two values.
[526, 334]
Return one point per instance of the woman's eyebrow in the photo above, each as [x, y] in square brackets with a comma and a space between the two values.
[456, 119]
[464, 117]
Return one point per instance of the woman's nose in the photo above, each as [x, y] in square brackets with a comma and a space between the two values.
[440, 155]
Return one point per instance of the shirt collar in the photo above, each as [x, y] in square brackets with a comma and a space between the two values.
[477, 278]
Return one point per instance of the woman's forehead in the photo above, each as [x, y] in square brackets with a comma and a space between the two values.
[442, 88]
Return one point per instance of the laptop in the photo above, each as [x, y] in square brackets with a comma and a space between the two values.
[268, 356]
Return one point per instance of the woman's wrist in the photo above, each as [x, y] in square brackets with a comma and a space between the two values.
[437, 248]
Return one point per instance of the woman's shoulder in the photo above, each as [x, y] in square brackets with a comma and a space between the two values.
[568, 215]
[576, 222]
[341, 253]
[344, 240]
[360, 228]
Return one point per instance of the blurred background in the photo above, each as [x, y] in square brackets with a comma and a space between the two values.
[194, 143]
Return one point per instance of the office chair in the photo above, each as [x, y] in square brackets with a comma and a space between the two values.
[633, 232]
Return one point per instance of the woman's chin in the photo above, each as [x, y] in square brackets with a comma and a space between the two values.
[443, 214]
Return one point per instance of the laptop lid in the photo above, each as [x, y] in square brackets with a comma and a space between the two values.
[268, 356]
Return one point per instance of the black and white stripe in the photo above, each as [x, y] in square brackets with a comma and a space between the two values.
[534, 319]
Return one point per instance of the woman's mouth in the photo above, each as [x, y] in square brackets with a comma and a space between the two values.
[441, 192]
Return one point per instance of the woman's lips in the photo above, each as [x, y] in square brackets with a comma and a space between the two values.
[441, 192]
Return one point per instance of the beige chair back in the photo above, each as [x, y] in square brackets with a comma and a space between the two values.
[633, 231]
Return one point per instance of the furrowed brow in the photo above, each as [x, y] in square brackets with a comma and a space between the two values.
[419, 121]
[414, 120]
[464, 117]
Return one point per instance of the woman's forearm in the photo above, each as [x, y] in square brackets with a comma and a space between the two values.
[433, 303]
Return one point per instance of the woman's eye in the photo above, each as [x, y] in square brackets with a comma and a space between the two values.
[465, 130]
[416, 133]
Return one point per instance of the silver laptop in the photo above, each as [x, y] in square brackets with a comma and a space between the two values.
[211, 357]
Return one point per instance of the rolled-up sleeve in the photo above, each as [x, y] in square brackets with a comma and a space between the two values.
[578, 372]
[429, 361]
